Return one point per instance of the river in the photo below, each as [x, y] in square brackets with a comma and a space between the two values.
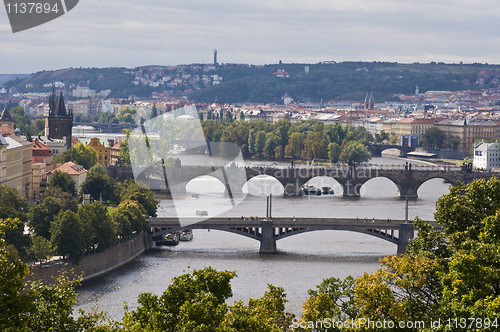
[301, 262]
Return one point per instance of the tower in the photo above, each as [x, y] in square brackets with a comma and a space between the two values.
[366, 101]
[371, 102]
[215, 57]
[416, 91]
[6, 119]
[59, 122]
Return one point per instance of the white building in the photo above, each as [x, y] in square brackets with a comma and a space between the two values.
[486, 156]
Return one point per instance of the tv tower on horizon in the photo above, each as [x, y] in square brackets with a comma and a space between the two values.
[215, 57]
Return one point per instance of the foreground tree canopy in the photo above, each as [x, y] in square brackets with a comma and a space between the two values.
[448, 278]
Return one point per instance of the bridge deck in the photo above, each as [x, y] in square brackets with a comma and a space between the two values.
[196, 222]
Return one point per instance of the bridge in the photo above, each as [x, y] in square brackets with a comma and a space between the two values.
[267, 232]
[109, 127]
[376, 149]
[351, 179]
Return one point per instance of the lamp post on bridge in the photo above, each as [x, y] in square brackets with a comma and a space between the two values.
[406, 210]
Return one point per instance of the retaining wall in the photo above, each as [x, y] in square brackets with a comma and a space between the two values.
[96, 264]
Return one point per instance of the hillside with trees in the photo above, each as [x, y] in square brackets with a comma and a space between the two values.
[323, 82]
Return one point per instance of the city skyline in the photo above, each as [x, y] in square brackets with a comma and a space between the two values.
[129, 34]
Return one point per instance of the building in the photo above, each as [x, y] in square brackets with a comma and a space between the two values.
[413, 127]
[486, 156]
[115, 154]
[77, 173]
[42, 153]
[101, 147]
[6, 119]
[57, 146]
[467, 132]
[38, 180]
[59, 122]
[15, 161]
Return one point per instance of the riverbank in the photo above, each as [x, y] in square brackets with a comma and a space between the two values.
[97, 264]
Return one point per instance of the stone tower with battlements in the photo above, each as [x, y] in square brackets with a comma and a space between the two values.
[59, 122]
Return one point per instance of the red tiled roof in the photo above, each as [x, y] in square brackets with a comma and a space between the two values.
[71, 168]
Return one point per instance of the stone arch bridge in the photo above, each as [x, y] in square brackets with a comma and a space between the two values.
[351, 179]
[267, 232]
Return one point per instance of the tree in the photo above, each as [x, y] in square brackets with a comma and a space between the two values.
[12, 205]
[62, 181]
[296, 143]
[141, 195]
[333, 152]
[97, 184]
[40, 249]
[33, 306]
[124, 149]
[260, 143]
[434, 138]
[68, 235]
[43, 214]
[129, 217]
[354, 152]
[81, 155]
[154, 112]
[23, 121]
[192, 302]
[316, 144]
[99, 169]
[251, 141]
[102, 233]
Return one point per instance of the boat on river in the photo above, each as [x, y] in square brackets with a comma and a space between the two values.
[186, 235]
[201, 212]
[311, 190]
[170, 239]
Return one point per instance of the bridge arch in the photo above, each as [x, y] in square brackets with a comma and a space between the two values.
[321, 181]
[263, 184]
[205, 184]
[384, 185]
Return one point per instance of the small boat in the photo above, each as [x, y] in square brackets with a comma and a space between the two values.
[170, 239]
[201, 212]
[327, 191]
[186, 235]
[311, 190]
[195, 195]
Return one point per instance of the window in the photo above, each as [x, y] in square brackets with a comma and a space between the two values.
[100, 156]
[105, 157]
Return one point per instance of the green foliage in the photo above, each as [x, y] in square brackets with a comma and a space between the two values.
[62, 181]
[434, 138]
[81, 155]
[127, 115]
[99, 169]
[193, 302]
[129, 217]
[43, 214]
[141, 195]
[100, 230]
[40, 249]
[333, 152]
[23, 121]
[124, 149]
[354, 152]
[97, 184]
[12, 205]
[68, 235]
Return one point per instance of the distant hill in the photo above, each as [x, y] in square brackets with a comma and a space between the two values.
[8, 77]
[242, 83]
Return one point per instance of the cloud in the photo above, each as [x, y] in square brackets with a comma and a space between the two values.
[131, 33]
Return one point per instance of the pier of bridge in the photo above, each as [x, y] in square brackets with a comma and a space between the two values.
[267, 232]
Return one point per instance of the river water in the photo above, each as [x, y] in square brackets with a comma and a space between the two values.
[301, 262]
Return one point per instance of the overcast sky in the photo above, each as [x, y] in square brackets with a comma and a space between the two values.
[130, 33]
